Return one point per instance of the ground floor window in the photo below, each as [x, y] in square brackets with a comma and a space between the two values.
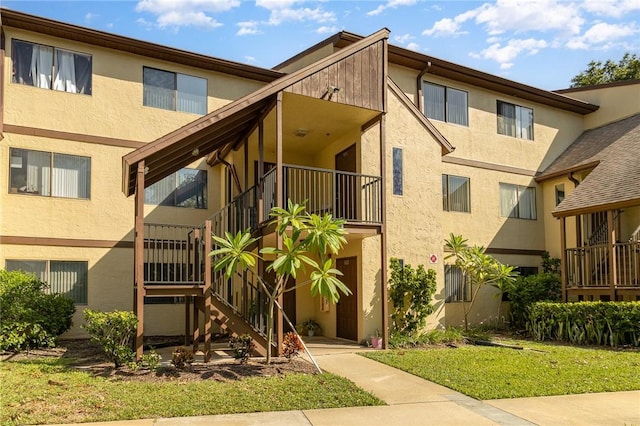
[456, 289]
[163, 300]
[62, 276]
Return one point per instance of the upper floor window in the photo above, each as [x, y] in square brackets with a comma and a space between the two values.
[559, 192]
[397, 171]
[174, 91]
[515, 120]
[185, 188]
[65, 277]
[455, 194]
[445, 104]
[517, 201]
[50, 68]
[49, 174]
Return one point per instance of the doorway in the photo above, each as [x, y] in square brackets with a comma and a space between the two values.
[347, 306]
[346, 184]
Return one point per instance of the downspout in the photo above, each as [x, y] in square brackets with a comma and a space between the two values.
[231, 167]
[418, 101]
[576, 182]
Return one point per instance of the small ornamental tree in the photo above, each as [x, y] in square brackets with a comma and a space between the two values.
[307, 239]
[411, 291]
[478, 269]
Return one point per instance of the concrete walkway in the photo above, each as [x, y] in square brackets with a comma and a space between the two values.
[414, 401]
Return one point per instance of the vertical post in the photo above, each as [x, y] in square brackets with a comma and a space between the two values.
[138, 253]
[280, 203]
[563, 257]
[187, 319]
[246, 164]
[196, 325]
[383, 236]
[613, 273]
[207, 294]
[260, 171]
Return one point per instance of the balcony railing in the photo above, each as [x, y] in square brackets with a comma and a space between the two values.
[354, 197]
[173, 254]
[588, 267]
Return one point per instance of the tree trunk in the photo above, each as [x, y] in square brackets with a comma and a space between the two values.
[270, 328]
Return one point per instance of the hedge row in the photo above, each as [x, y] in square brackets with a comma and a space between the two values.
[586, 323]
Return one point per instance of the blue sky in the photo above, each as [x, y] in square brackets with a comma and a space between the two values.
[543, 43]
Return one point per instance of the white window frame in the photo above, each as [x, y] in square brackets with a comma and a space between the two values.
[514, 204]
[513, 126]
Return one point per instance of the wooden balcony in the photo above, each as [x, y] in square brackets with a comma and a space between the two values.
[590, 268]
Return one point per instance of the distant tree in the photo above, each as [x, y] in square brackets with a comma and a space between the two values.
[628, 68]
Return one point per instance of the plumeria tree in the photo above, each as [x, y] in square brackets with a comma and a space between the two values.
[308, 240]
[478, 269]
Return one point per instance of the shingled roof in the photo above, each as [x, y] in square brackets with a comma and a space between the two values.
[614, 150]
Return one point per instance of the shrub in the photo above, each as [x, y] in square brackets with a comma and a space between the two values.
[242, 347]
[181, 357]
[584, 323]
[291, 345]
[30, 318]
[411, 291]
[114, 332]
[433, 337]
[526, 291]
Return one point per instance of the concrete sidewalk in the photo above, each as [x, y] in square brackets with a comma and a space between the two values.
[415, 401]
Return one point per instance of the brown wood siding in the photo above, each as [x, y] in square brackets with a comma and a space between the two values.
[360, 78]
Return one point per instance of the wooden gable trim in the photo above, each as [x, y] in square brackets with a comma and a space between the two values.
[596, 208]
[447, 148]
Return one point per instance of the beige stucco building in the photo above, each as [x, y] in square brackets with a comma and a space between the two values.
[123, 156]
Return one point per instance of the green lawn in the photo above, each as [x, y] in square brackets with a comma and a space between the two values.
[539, 370]
[48, 392]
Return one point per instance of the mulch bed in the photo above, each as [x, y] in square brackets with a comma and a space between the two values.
[86, 356]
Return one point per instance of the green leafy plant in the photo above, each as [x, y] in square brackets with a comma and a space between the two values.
[114, 332]
[478, 269]
[411, 291]
[550, 265]
[311, 325]
[525, 291]
[592, 323]
[181, 357]
[243, 347]
[305, 237]
[30, 318]
[291, 345]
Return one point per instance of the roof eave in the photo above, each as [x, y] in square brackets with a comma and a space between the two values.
[596, 208]
[564, 172]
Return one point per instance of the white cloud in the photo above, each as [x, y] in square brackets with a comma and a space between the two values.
[327, 30]
[613, 8]
[413, 46]
[144, 23]
[505, 55]
[529, 15]
[402, 39]
[393, 4]
[444, 27]
[602, 35]
[248, 28]
[284, 10]
[250, 59]
[89, 16]
[174, 14]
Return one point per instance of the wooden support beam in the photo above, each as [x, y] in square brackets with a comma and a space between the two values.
[187, 319]
[196, 324]
[613, 273]
[260, 171]
[246, 164]
[207, 292]
[563, 257]
[139, 258]
[280, 202]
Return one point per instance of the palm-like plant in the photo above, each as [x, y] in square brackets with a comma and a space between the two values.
[478, 269]
[307, 239]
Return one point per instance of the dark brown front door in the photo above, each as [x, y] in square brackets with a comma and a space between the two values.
[346, 185]
[347, 307]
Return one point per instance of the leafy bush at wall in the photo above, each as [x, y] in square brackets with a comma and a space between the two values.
[411, 291]
[29, 318]
[525, 291]
[587, 323]
[114, 332]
